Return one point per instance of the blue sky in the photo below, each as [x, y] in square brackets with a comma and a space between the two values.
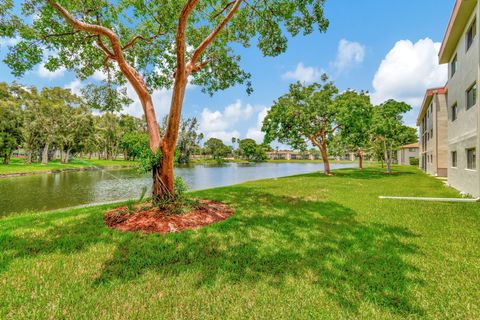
[386, 47]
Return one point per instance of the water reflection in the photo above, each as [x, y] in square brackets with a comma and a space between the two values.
[67, 189]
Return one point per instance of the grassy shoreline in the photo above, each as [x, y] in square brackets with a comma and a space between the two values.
[330, 249]
[18, 168]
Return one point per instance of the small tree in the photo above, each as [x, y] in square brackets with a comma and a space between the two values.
[188, 140]
[216, 148]
[154, 44]
[110, 135]
[305, 114]
[76, 125]
[135, 144]
[355, 121]
[388, 129]
[252, 151]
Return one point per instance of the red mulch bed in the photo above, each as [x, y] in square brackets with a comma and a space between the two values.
[155, 220]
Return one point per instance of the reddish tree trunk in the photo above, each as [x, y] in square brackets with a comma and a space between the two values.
[326, 162]
[163, 178]
[322, 146]
[360, 159]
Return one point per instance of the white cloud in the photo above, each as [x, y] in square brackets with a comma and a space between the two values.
[256, 133]
[218, 121]
[99, 75]
[45, 73]
[221, 124]
[75, 86]
[349, 54]
[225, 136]
[407, 71]
[161, 97]
[161, 101]
[9, 41]
[303, 74]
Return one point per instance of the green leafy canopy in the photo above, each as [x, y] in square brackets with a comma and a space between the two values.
[147, 30]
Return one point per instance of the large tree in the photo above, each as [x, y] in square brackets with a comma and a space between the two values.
[155, 44]
[252, 151]
[188, 140]
[306, 114]
[10, 120]
[388, 130]
[216, 148]
[355, 122]
[76, 126]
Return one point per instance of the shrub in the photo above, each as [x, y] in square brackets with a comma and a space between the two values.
[414, 161]
[180, 188]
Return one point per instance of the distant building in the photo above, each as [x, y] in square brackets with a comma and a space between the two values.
[291, 155]
[406, 153]
[433, 132]
[460, 49]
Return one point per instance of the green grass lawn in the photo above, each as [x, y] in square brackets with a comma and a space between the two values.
[302, 247]
[313, 161]
[17, 166]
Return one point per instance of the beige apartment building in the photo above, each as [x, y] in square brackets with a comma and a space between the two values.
[433, 132]
[407, 153]
[460, 49]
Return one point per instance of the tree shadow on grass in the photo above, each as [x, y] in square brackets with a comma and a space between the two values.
[370, 173]
[31, 235]
[271, 239]
[274, 238]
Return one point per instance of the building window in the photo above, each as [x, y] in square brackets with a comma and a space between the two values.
[454, 159]
[472, 159]
[471, 33]
[453, 66]
[472, 96]
[412, 150]
[431, 133]
[454, 112]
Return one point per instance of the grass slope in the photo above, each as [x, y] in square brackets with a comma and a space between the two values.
[302, 247]
[17, 166]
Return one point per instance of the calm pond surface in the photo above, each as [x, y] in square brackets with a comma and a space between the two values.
[69, 189]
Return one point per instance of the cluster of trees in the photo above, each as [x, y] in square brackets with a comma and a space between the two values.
[41, 121]
[247, 149]
[319, 115]
[53, 119]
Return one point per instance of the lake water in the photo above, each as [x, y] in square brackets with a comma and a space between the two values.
[69, 189]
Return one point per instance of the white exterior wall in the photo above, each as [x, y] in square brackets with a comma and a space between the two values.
[463, 132]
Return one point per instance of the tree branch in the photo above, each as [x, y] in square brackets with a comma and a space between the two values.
[71, 33]
[208, 40]
[198, 67]
[224, 8]
[132, 42]
[181, 77]
[128, 71]
[104, 48]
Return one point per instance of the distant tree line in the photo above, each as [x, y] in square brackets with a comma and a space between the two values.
[53, 121]
[44, 123]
